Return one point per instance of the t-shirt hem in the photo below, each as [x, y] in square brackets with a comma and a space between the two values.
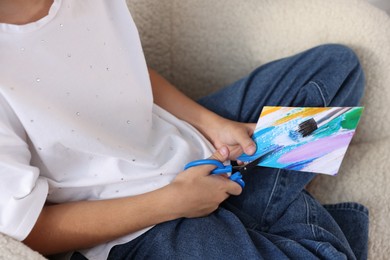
[31, 216]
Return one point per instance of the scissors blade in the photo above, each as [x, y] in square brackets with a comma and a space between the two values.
[247, 167]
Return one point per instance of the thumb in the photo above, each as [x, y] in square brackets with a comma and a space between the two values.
[221, 154]
[247, 144]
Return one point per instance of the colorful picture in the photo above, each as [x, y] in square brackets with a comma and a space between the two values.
[312, 139]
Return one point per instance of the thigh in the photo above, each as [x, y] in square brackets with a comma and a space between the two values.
[217, 236]
[353, 219]
[327, 75]
[222, 236]
[267, 195]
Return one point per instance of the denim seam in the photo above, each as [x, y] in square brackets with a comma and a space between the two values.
[319, 245]
[321, 92]
[270, 198]
[355, 210]
[308, 217]
[346, 205]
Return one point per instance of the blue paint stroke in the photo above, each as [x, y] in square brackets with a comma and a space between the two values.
[266, 139]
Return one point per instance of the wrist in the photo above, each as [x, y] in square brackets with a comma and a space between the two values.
[170, 203]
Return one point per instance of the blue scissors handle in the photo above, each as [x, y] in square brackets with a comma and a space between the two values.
[221, 168]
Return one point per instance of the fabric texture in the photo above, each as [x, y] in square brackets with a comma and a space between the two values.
[204, 45]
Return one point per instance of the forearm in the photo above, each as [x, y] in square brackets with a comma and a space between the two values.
[80, 225]
[168, 97]
[218, 130]
[85, 224]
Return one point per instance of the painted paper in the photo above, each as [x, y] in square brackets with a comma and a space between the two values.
[320, 151]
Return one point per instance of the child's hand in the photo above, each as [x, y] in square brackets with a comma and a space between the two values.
[236, 136]
[197, 193]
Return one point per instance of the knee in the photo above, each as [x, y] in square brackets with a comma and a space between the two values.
[340, 54]
[343, 66]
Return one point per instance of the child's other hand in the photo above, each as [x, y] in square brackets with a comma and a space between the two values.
[236, 136]
[197, 193]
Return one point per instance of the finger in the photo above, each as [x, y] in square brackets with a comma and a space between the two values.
[233, 188]
[252, 127]
[235, 151]
[247, 144]
[239, 162]
[221, 154]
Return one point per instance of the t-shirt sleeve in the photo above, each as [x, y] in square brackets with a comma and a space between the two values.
[22, 191]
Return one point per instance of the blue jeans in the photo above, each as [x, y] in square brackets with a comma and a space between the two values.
[274, 217]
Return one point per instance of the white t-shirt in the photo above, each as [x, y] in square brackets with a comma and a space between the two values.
[77, 119]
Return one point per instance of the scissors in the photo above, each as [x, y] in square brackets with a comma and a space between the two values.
[237, 171]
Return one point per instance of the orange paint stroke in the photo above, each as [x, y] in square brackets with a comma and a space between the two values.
[268, 110]
[305, 112]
